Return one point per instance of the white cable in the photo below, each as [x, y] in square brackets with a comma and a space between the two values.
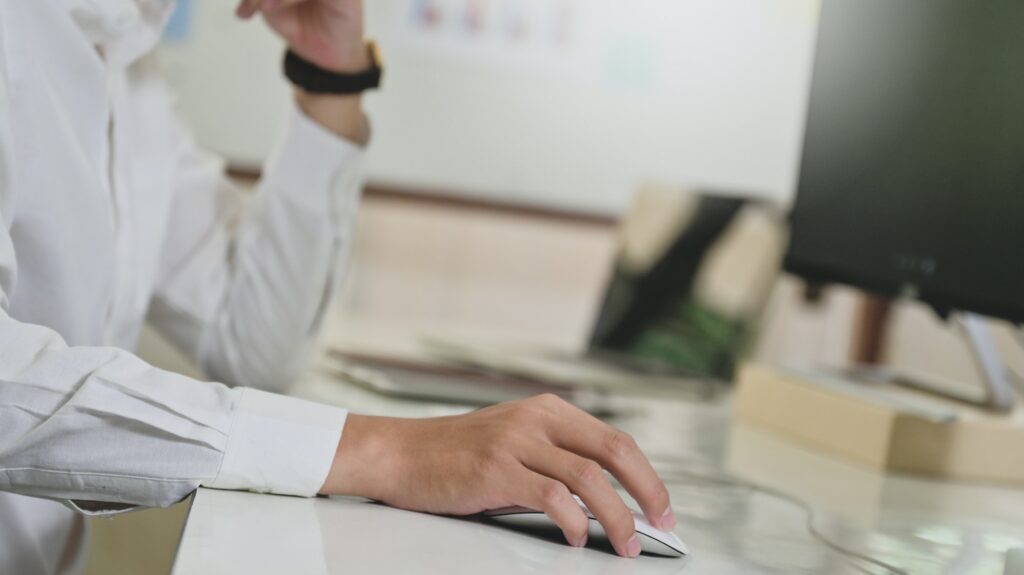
[680, 476]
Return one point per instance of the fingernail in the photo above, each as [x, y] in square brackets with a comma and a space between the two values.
[581, 542]
[633, 547]
[668, 520]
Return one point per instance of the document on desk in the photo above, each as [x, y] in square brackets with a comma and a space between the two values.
[575, 371]
[438, 382]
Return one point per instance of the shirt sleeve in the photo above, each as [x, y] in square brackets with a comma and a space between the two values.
[246, 278]
[102, 430]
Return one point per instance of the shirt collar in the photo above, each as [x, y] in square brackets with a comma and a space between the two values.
[125, 29]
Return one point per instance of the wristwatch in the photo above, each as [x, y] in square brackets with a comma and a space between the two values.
[314, 79]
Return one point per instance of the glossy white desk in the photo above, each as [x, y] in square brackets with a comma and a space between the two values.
[922, 526]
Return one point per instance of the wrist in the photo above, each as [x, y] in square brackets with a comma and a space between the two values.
[339, 114]
[363, 464]
[350, 60]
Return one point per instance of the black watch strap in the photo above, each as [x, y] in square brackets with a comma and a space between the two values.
[314, 79]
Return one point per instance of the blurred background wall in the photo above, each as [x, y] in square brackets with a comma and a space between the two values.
[562, 103]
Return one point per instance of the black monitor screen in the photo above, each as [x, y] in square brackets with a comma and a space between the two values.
[912, 179]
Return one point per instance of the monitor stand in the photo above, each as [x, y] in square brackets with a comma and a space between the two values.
[997, 394]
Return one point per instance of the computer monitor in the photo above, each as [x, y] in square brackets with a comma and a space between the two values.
[912, 176]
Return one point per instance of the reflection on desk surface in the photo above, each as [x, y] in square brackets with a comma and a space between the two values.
[920, 526]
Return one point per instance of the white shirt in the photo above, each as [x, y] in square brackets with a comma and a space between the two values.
[109, 215]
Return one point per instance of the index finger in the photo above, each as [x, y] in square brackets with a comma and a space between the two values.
[575, 430]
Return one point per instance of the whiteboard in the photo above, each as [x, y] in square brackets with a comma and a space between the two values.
[568, 104]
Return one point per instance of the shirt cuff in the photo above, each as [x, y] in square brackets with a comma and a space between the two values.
[279, 445]
[312, 164]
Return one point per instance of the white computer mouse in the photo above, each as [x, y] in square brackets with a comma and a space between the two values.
[652, 540]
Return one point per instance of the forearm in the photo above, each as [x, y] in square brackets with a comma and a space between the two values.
[244, 284]
[99, 425]
[287, 259]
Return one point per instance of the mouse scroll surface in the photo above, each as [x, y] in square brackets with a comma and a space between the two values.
[652, 540]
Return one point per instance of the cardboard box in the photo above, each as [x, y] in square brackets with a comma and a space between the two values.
[879, 425]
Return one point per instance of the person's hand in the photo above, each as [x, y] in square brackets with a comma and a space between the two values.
[328, 33]
[535, 453]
